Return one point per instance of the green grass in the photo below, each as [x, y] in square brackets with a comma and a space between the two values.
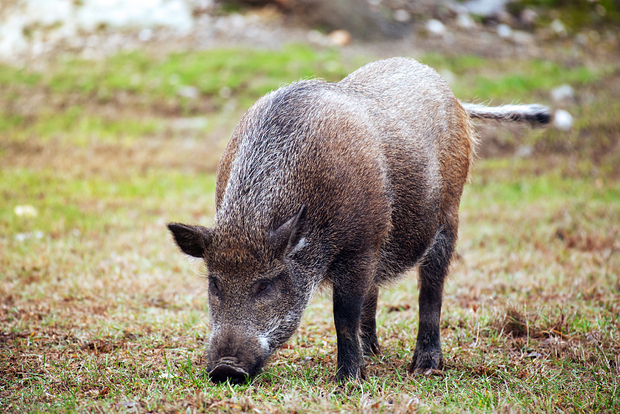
[243, 71]
[100, 312]
[509, 79]
[576, 15]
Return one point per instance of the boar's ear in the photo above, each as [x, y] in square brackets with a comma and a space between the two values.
[287, 236]
[193, 240]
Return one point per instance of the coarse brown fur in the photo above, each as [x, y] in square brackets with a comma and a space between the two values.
[350, 183]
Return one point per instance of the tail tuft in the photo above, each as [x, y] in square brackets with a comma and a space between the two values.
[535, 115]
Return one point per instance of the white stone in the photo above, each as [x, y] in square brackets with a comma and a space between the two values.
[529, 16]
[465, 21]
[486, 8]
[524, 151]
[435, 27]
[25, 211]
[401, 15]
[504, 31]
[340, 37]
[189, 92]
[558, 27]
[562, 120]
[562, 92]
[145, 35]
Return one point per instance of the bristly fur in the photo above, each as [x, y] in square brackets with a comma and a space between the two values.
[535, 114]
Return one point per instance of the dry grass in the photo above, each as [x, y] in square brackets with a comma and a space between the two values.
[99, 312]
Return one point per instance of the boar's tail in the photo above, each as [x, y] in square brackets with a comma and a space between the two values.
[536, 115]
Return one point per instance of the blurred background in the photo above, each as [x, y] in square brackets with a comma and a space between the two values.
[170, 78]
[113, 117]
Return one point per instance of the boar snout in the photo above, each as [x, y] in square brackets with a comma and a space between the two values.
[228, 369]
[235, 357]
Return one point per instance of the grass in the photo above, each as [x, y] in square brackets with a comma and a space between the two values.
[100, 312]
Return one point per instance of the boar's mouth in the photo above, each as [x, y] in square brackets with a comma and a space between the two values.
[227, 369]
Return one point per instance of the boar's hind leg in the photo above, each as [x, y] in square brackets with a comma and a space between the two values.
[370, 343]
[433, 270]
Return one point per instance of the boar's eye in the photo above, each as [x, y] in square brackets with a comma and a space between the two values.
[215, 286]
[262, 287]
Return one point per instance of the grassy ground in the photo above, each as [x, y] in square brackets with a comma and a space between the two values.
[99, 312]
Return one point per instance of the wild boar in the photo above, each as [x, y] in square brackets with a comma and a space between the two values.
[350, 184]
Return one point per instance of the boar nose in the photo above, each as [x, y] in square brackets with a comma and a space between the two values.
[227, 369]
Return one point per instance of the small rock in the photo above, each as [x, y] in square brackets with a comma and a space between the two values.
[189, 92]
[504, 31]
[145, 35]
[435, 27]
[465, 21]
[402, 16]
[562, 120]
[20, 237]
[558, 27]
[25, 211]
[487, 8]
[524, 151]
[529, 17]
[340, 37]
[562, 93]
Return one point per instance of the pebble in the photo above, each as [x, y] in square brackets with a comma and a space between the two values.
[402, 16]
[340, 37]
[529, 16]
[465, 21]
[562, 120]
[504, 31]
[558, 27]
[524, 151]
[486, 8]
[190, 92]
[25, 211]
[145, 35]
[435, 27]
[563, 93]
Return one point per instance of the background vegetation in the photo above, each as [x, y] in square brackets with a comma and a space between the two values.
[100, 312]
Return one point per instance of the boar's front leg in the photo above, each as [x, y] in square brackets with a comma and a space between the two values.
[433, 270]
[351, 280]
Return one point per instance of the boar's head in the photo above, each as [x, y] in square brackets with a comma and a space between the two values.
[256, 293]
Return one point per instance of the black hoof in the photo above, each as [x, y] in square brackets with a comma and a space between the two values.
[372, 349]
[426, 363]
